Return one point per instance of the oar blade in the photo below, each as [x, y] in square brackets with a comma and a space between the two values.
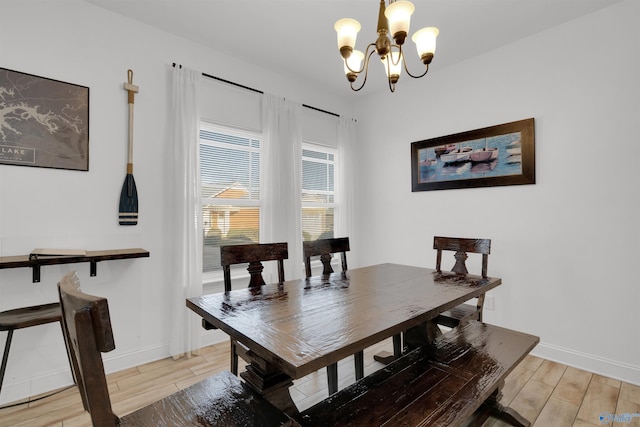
[128, 202]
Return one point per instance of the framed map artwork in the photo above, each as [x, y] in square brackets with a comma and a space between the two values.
[43, 122]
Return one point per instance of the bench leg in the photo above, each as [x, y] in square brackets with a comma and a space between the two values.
[504, 413]
[512, 417]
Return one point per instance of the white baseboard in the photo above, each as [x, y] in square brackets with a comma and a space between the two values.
[588, 362]
[12, 392]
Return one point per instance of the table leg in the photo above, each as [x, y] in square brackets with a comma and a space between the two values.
[270, 382]
[420, 335]
[413, 338]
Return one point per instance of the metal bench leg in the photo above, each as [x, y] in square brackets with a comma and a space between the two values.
[5, 356]
[332, 378]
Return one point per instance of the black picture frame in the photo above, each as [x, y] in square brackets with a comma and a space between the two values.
[43, 122]
[492, 156]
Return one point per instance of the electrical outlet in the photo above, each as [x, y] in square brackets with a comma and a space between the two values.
[489, 303]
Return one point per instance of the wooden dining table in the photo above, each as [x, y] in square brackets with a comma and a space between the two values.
[297, 327]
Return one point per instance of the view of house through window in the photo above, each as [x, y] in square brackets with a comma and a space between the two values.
[318, 192]
[230, 175]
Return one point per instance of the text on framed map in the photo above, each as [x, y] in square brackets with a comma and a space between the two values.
[43, 122]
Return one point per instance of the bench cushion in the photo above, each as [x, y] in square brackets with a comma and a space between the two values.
[437, 385]
[220, 400]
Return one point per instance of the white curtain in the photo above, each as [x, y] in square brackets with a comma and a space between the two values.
[346, 165]
[184, 210]
[281, 218]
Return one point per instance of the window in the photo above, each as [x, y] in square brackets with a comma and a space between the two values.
[230, 176]
[318, 192]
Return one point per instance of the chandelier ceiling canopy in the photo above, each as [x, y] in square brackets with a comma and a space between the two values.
[393, 20]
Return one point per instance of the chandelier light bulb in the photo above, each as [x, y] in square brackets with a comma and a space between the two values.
[393, 65]
[352, 65]
[425, 40]
[347, 30]
[398, 15]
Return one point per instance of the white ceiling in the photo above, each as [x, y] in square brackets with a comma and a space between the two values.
[297, 36]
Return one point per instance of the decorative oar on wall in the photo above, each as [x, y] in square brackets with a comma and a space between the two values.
[129, 194]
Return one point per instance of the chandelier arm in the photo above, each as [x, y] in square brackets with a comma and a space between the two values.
[392, 86]
[365, 67]
[411, 75]
[400, 56]
[387, 61]
[365, 64]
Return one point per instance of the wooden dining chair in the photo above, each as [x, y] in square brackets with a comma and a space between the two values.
[325, 248]
[461, 247]
[253, 254]
[221, 397]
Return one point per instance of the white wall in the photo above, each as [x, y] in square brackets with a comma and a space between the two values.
[566, 247]
[79, 43]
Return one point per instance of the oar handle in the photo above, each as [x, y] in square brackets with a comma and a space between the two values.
[131, 90]
[130, 158]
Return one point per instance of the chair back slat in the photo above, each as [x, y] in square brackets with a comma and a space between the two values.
[325, 248]
[254, 255]
[462, 246]
[88, 332]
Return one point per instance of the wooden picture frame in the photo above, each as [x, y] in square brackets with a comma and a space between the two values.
[491, 156]
[43, 122]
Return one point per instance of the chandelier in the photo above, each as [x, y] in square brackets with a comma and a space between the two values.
[393, 19]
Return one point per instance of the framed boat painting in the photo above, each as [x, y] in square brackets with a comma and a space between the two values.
[491, 156]
[43, 122]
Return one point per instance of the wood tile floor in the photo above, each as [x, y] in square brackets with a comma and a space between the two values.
[546, 393]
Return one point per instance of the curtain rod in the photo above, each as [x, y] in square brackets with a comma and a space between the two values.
[259, 91]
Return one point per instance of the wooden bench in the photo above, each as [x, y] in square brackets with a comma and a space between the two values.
[219, 400]
[451, 382]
